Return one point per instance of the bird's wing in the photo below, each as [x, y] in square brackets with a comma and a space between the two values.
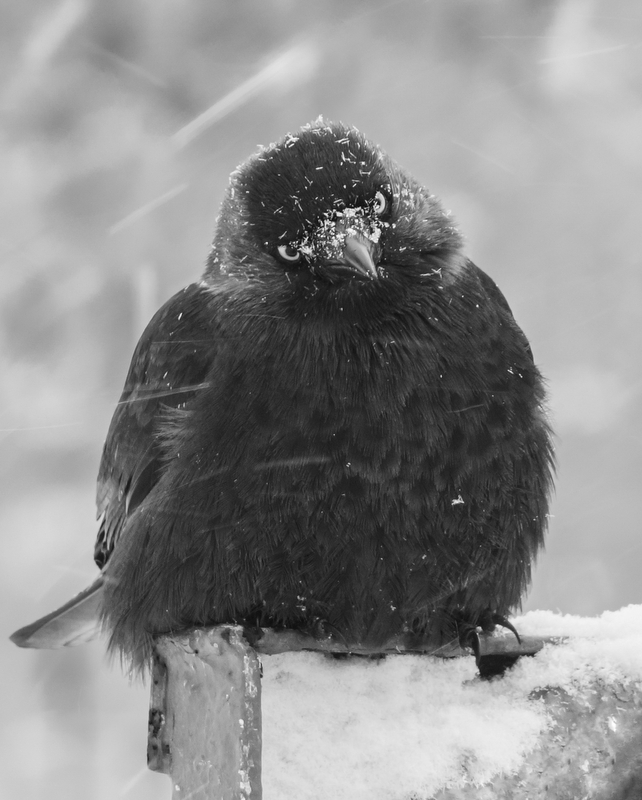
[495, 294]
[168, 368]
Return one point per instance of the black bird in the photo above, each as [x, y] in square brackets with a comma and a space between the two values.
[339, 429]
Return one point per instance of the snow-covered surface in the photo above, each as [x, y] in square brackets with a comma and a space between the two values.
[406, 726]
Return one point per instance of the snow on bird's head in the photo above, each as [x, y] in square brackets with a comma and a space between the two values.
[291, 188]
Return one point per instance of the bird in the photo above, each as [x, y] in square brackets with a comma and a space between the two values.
[339, 429]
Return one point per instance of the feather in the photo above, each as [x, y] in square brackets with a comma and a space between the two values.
[76, 622]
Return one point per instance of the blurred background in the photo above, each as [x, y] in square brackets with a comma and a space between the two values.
[122, 121]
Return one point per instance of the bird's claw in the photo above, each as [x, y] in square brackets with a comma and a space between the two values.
[500, 619]
[469, 638]
[489, 664]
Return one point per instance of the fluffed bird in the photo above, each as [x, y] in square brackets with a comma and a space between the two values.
[340, 429]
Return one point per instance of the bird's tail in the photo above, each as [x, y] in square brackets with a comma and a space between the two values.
[78, 621]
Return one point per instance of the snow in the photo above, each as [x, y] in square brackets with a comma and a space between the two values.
[406, 726]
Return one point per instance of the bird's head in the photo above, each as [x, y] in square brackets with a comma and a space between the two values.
[327, 202]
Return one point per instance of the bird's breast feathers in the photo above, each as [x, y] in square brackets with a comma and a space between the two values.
[365, 385]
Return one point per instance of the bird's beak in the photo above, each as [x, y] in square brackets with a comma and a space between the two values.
[360, 255]
[356, 255]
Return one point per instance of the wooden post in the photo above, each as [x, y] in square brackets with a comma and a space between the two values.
[205, 710]
[205, 715]
[205, 720]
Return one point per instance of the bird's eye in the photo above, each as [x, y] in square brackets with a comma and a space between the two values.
[381, 204]
[289, 254]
